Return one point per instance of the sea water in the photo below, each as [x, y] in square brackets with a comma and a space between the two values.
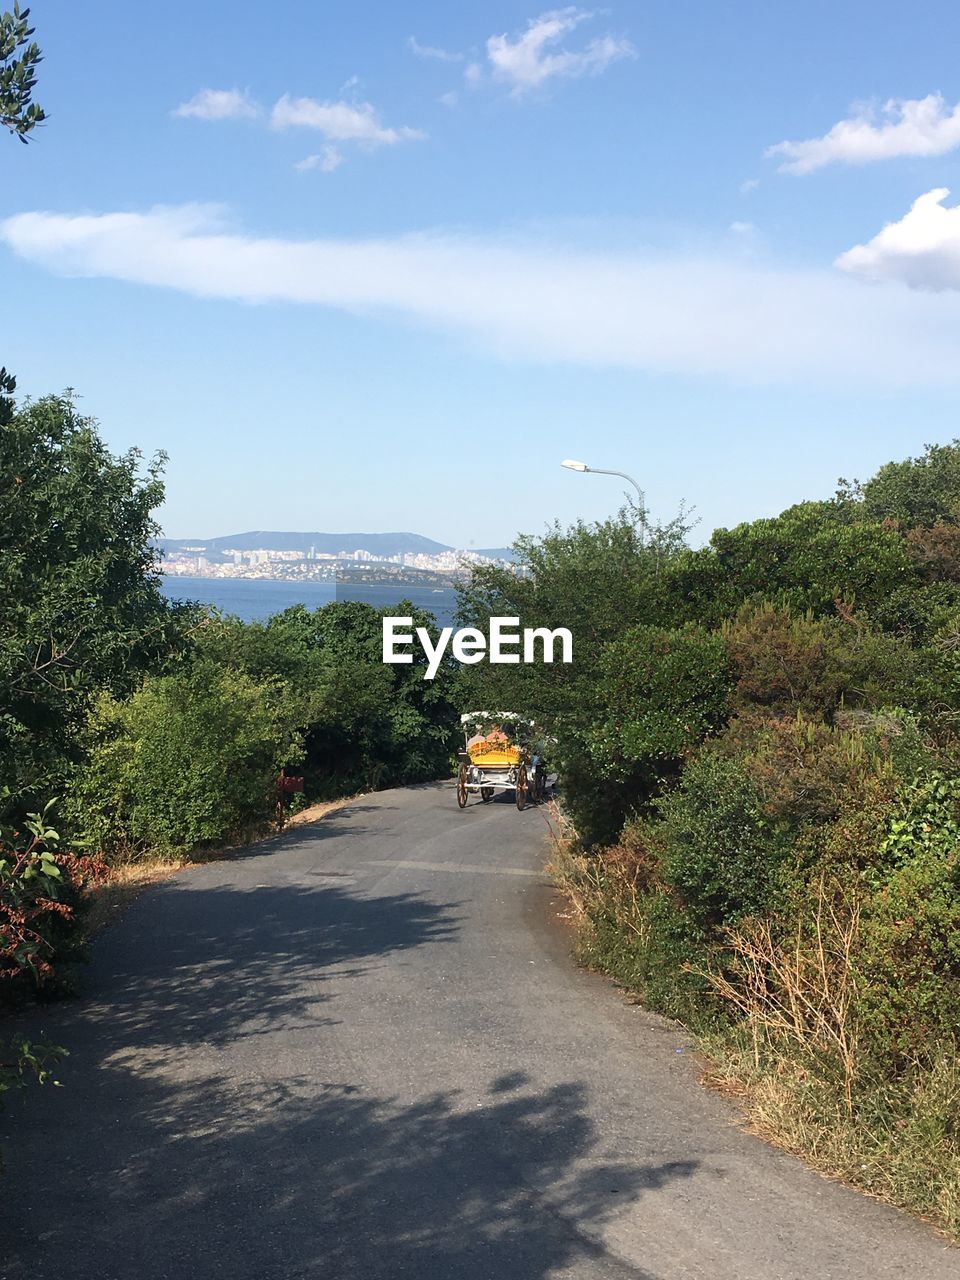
[255, 599]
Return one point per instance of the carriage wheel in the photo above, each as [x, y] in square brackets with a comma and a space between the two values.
[462, 787]
[486, 794]
[521, 786]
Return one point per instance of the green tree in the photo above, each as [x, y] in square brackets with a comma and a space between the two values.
[19, 57]
[82, 609]
[917, 491]
[596, 580]
[806, 558]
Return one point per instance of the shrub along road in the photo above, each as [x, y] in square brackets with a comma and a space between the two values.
[361, 1050]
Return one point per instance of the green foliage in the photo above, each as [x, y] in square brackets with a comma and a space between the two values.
[190, 759]
[908, 959]
[917, 491]
[8, 385]
[655, 694]
[787, 664]
[720, 853]
[783, 663]
[596, 580]
[41, 933]
[925, 822]
[364, 724]
[660, 693]
[799, 560]
[82, 607]
[380, 725]
[19, 56]
[805, 771]
[24, 1062]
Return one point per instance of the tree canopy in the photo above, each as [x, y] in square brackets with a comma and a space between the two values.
[82, 610]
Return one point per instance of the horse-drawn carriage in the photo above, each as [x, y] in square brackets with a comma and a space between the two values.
[501, 753]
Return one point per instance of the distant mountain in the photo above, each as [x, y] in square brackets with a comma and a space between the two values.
[377, 544]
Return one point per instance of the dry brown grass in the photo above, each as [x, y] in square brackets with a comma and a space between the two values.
[799, 994]
[900, 1146]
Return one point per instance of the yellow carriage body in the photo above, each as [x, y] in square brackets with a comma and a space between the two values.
[493, 755]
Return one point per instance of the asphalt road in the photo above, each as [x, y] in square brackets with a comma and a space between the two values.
[361, 1050]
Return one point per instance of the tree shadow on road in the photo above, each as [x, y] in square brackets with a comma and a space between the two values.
[214, 964]
[298, 1178]
[326, 828]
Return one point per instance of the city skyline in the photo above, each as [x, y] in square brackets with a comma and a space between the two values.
[216, 558]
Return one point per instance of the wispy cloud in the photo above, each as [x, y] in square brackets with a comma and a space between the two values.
[901, 127]
[922, 250]
[685, 315]
[431, 51]
[219, 104]
[326, 161]
[528, 60]
[339, 121]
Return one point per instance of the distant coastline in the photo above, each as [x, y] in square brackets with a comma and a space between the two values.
[300, 571]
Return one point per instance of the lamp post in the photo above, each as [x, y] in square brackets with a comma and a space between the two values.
[571, 465]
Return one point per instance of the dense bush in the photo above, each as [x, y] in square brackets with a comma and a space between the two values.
[659, 693]
[720, 854]
[190, 759]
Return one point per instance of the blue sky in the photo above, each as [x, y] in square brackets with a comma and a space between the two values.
[382, 266]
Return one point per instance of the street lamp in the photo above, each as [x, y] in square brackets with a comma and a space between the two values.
[571, 465]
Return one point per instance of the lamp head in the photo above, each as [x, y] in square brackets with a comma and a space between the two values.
[574, 466]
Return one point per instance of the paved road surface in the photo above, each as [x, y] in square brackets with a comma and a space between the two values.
[361, 1050]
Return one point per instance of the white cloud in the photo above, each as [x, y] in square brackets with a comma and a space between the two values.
[431, 51]
[338, 121]
[903, 127]
[449, 99]
[922, 250]
[748, 185]
[742, 228]
[328, 160]
[531, 300]
[219, 104]
[527, 61]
